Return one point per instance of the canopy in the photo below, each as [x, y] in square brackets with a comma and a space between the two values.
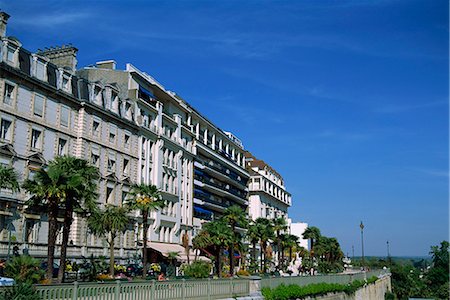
[164, 249]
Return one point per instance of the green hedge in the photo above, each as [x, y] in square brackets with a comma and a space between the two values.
[287, 292]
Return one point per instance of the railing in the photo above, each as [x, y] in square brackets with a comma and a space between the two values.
[151, 290]
[273, 282]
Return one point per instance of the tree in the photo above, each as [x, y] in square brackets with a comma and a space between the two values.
[80, 197]
[172, 257]
[437, 278]
[220, 235]
[67, 184]
[312, 233]
[289, 241]
[265, 233]
[48, 188]
[9, 179]
[112, 221]
[145, 198]
[185, 243]
[279, 226]
[253, 237]
[234, 216]
[200, 242]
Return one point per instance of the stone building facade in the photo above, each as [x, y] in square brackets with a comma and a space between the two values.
[130, 127]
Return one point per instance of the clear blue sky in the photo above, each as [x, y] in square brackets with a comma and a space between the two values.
[348, 100]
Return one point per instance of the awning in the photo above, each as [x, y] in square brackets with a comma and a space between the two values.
[202, 210]
[164, 249]
[146, 92]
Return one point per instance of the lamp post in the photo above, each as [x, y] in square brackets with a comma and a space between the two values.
[388, 253]
[362, 242]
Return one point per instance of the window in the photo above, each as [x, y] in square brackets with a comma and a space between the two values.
[112, 134]
[36, 139]
[95, 128]
[31, 173]
[127, 140]
[114, 102]
[126, 166]
[109, 194]
[5, 130]
[10, 54]
[111, 164]
[62, 147]
[124, 196]
[95, 159]
[98, 96]
[38, 107]
[64, 116]
[8, 94]
[40, 70]
[65, 83]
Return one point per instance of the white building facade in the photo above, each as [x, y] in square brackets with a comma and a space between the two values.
[268, 197]
[130, 127]
[298, 229]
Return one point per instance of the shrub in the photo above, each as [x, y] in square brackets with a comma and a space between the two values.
[286, 292]
[20, 291]
[24, 269]
[243, 273]
[104, 277]
[198, 269]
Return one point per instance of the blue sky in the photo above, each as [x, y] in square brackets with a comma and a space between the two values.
[348, 100]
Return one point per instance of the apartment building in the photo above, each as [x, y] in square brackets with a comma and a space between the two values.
[268, 197]
[130, 127]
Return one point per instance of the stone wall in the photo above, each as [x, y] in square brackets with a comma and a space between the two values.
[373, 291]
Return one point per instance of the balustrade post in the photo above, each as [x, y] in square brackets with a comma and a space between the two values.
[183, 289]
[152, 294]
[117, 290]
[231, 287]
[75, 291]
[209, 288]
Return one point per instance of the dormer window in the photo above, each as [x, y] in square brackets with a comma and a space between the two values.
[10, 54]
[114, 102]
[98, 96]
[40, 70]
[65, 85]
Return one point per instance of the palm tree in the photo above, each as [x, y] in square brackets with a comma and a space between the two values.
[185, 243]
[265, 233]
[69, 184]
[253, 237]
[80, 197]
[200, 242]
[145, 198]
[234, 216]
[9, 179]
[289, 241]
[220, 235]
[112, 221]
[48, 188]
[172, 257]
[279, 226]
[312, 233]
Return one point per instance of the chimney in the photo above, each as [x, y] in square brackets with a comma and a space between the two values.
[106, 64]
[3, 21]
[64, 56]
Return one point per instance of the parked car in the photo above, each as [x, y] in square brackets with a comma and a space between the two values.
[44, 266]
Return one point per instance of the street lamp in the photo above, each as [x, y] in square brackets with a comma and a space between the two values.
[388, 253]
[362, 242]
